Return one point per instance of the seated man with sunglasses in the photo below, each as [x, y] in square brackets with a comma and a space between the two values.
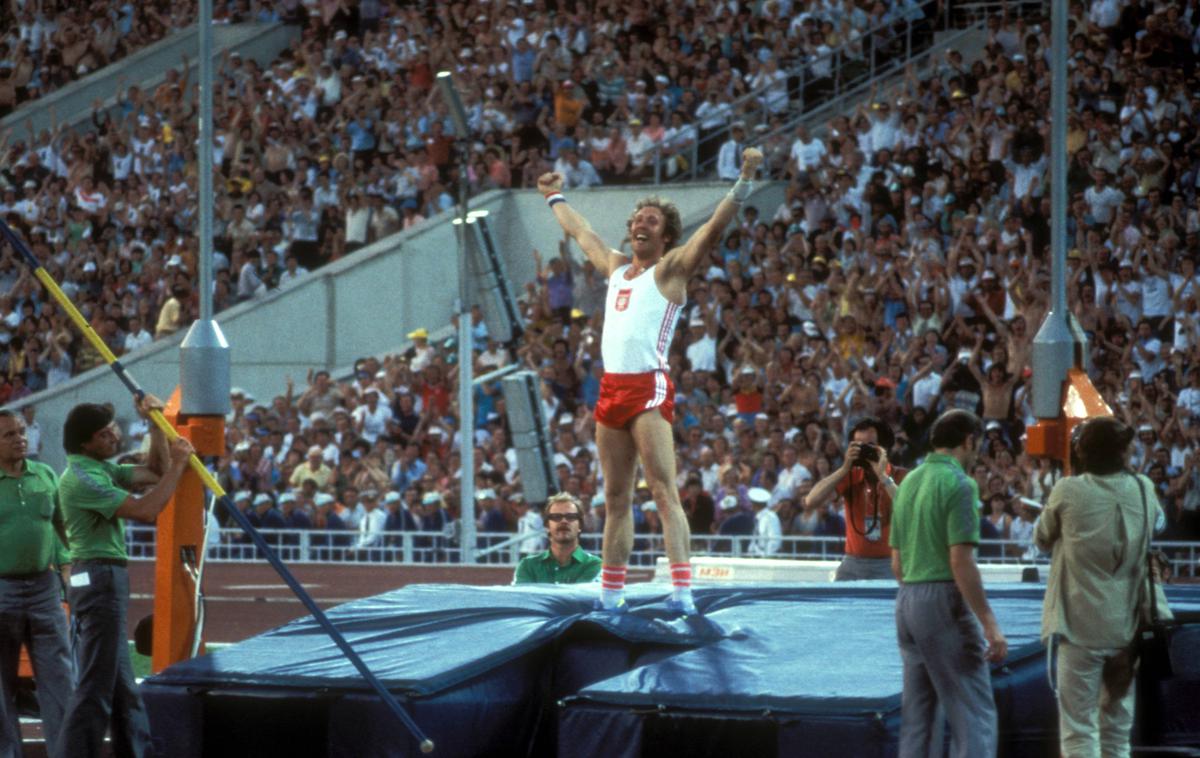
[565, 562]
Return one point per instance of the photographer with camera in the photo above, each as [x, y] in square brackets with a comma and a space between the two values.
[867, 482]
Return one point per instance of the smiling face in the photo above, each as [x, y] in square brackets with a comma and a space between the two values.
[646, 232]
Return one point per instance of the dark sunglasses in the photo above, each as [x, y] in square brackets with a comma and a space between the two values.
[556, 517]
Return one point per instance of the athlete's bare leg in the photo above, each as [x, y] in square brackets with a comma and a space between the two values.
[618, 462]
[656, 447]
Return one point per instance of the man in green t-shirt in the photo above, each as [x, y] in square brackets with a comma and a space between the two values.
[945, 650]
[96, 498]
[31, 545]
[565, 562]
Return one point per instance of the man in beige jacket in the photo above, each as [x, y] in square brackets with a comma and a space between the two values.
[1097, 525]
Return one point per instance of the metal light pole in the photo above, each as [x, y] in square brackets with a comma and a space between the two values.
[1054, 347]
[466, 398]
[204, 355]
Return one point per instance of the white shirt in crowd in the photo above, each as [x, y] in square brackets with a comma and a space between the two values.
[768, 534]
[370, 529]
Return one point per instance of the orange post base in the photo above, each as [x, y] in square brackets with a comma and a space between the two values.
[180, 529]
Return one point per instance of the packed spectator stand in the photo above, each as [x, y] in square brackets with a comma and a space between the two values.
[905, 273]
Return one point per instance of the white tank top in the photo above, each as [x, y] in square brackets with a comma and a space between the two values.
[638, 324]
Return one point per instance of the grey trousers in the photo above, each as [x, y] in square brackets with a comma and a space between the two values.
[942, 647]
[31, 614]
[106, 694]
[1096, 699]
[853, 568]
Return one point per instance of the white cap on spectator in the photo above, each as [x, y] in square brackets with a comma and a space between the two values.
[993, 424]
[241, 495]
[485, 494]
[561, 459]
[89, 266]
[288, 497]
[242, 446]
[649, 506]
[261, 498]
[597, 499]
[1145, 428]
[729, 502]
[174, 260]
[429, 498]
[759, 495]
[391, 497]
[322, 499]
[315, 450]
[341, 34]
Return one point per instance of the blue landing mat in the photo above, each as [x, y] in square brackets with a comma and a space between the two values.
[531, 669]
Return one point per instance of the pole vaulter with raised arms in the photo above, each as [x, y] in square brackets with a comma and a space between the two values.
[637, 399]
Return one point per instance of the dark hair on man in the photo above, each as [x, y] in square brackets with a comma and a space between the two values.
[82, 423]
[673, 222]
[883, 432]
[8, 413]
[953, 427]
[1102, 444]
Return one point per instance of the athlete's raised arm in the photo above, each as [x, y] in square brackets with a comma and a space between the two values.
[603, 257]
[683, 260]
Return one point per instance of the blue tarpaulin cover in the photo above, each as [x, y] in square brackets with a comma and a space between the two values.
[824, 651]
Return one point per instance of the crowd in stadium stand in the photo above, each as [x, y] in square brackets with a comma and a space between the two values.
[904, 274]
[47, 45]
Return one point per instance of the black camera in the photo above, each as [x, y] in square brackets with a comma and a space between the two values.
[867, 454]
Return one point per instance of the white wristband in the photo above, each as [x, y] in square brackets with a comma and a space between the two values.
[740, 191]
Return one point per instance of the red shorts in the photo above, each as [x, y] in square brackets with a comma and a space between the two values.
[624, 396]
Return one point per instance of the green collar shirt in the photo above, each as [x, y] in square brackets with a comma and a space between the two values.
[936, 507]
[544, 568]
[91, 491]
[28, 512]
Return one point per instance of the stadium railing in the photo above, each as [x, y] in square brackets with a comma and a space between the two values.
[506, 548]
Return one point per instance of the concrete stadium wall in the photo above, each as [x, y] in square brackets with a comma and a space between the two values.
[146, 68]
[366, 303]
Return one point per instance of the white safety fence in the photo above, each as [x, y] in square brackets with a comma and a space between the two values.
[506, 548]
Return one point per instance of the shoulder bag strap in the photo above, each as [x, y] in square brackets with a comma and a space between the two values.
[1149, 560]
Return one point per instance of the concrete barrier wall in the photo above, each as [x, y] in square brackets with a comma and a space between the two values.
[366, 303]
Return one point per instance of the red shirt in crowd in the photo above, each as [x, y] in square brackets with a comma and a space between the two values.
[860, 497]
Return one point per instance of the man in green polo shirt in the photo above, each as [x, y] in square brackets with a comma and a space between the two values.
[96, 498]
[31, 545]
[565, 562]
[945, 650]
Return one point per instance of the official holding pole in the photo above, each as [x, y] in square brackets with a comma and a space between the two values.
[96, 499]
